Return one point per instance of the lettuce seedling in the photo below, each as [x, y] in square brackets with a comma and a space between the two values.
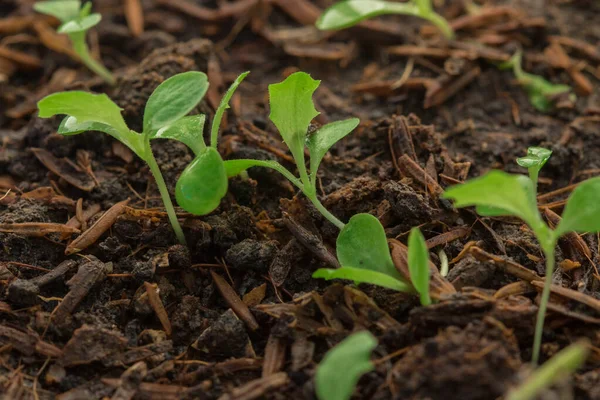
[541, 92]
[203, 183]
[559, 367]
[500, 194]
[76, 21]
[341, 368]
[345, 14]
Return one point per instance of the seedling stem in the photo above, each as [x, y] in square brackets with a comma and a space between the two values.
[81, 48]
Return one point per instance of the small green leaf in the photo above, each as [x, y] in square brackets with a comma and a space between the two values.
[560, 366]
[341, 368]
[292, 110]
[64, 10]
[418, 264]
[363, 244]
[536, 158]
[187, 130]
[202, 184]
[80, 24]
[224, 105]
[235, 167]
[173, 99]
[345, 14]
[500, 193]
[541, 91]
[321, 141]
[359, 275]
[582, 211]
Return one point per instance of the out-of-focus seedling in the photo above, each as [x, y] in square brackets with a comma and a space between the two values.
[556, 369]
[76, 21]
[500, 194]
[347, 13]
[541, 92]
[203, 183]
[341, 368]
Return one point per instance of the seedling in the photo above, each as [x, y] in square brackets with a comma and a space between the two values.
[541, 92]
[560, 366]
[345, 14]
[203, 183]
[341, 368]
[500, 194]
[76, 21]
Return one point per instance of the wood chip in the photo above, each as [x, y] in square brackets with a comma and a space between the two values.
[24, 60]
[508, 266]
[37, 229]
[135, 17]
[103, 224]
[255, 296]
[448, 237]
[274, 356]
[411, 169]
[437, 95]
[65, 170]
[130, 381]
[257, 388]
[232, 298]
[157, 305]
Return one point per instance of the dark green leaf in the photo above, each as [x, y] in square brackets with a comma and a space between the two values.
[292, 110]
[341, 368]
[321, 141]
[224, 105]
[64, 10]
[359, 275]
[345, 14]
[187, 130]
[582, 212]
[363, 244]
[173, 99]
[80, 24]
[418, 264]
[202, 184]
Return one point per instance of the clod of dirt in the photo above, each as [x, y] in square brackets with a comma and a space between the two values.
[407, 205]
[90, 344]
[179, 257]
[23, 292]
[187, 318]
[251, 254]
[478, 362]
[226, 337]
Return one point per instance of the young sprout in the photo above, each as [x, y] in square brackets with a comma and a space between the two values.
[541, 92]
[292, 111]
[341, 368]
[76, 21]
[347, 13]
[500, 194]
[535, 159]
[203, 183]
[560, 366]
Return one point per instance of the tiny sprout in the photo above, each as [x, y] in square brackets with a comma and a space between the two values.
[500, 194]
[535, 159]
[418, 264]
[541, 92]
[203, 183]
[341, 368]
[559, 367]
[347, 13]
[76, 21]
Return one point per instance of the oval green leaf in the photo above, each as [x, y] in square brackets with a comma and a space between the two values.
[363, 244]
[202, 184]
[173, 99]
[418, 264]
[80, 24]
[64, 10]
[187, 130]
[321, 141]
[536, 158]
[345, 14]
[359, 275]
[582, 211]
[341, 368]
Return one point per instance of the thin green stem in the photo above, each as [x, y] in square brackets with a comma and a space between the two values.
[81, 48]
[422, 9]
[441, 23]
[533, 175]
[332, 218]
[164, 193]
[539, 324]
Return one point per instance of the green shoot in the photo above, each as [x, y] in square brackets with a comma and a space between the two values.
[347, 13]
[418, 264]
[541, 92]
[292, 111]
[360, 275]
[341, 368]
[500, 194]
[535, 159]
[563, 364]
[202, 184]
[76, 21]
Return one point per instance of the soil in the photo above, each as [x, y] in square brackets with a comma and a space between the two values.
[236, 314]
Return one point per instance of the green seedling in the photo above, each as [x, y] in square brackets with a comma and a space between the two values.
[541, 92]
[559, 367]
[350, 12]
[341, 368]
[203, 183]
[500, 194]
[76, 21]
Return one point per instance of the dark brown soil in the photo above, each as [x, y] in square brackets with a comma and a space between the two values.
[137, 315]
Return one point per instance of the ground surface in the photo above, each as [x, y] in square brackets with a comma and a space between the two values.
[136, 315]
